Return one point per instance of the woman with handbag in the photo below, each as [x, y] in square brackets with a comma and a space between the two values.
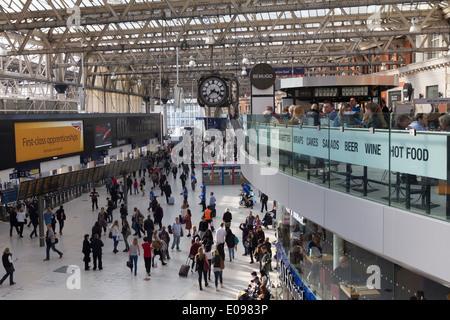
[202, 267]
[133, 254]
[218, 265]
[8, 265]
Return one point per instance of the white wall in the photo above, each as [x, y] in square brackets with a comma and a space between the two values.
[47, 166]
[412, 240]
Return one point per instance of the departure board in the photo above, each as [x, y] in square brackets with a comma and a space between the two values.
[23, 189]
[79, 178]
[84, 177]
[39, 186]
[54, 183]
[31, 192]
[67, 180]
[47, 182]
[91, 175]
[61, 178]
[73, 179]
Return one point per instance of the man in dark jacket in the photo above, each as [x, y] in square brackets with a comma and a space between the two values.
[86, 251]
[167, 190]
[96, 245]
[149, 226]
[227, 218]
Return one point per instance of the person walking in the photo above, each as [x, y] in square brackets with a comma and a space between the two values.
[133, 254]
[126, 232]
[147, 248]
[115, 232]
[102, 219]
[50, 240]
[129, 185]
[177, 232]
[264, 199]
[218, 266]
[97, 251]
[165, 240]
[123, 212]
[87, 252]
[244, 229]
[13, 221]
[231, 245]
[8, 264]
[34, 218]
[21, 217]
[188, 222]
[159, 214]
[167, 190]
[183, 180]
[251, 244]
[61, 217]
[136, 186]
[94, 199]
[202, 267]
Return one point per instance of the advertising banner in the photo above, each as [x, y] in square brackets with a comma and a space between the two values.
[38, 140]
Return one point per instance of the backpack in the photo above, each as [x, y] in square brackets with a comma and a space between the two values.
[169, 228]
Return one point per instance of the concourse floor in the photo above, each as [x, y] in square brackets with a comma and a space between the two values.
[47, 280]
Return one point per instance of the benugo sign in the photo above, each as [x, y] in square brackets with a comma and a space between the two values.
[38, 140]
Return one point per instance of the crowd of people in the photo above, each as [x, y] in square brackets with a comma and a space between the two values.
[211, 246]
[371, 115]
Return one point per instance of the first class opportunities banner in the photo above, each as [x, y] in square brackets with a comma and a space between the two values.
[38, 140]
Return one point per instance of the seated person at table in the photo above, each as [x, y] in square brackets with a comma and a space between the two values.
[347, 117]
[402, 122]
[345, 273]
[420, 124]
[374, 117]
[444, 122]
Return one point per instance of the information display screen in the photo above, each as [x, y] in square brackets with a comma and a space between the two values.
[67, 180]
[54, 183]
[31, 192]
[47, 182]
[23, 189]
[61, 179]
[79, 178]
[39, 187]
[73, 179]
[91, 175]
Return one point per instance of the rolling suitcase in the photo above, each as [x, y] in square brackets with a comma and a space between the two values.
[184, 269]
[171, 200]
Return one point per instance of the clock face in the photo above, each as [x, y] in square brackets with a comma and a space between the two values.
[213, 90]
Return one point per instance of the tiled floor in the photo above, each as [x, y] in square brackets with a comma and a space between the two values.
[36, 279]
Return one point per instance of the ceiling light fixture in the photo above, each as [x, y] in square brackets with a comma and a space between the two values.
[245, 59]
[244, 71]
[415, 28]
[192, 62]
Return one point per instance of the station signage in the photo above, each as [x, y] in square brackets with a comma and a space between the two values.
[262, 76]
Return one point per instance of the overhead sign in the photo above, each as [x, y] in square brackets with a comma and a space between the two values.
[38, 140]
[262, 76]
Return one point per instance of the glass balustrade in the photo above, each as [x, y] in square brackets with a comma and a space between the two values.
[398, 167]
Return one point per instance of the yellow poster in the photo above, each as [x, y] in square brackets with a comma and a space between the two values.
[38, 140]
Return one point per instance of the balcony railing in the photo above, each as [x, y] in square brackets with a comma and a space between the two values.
[407, 169]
